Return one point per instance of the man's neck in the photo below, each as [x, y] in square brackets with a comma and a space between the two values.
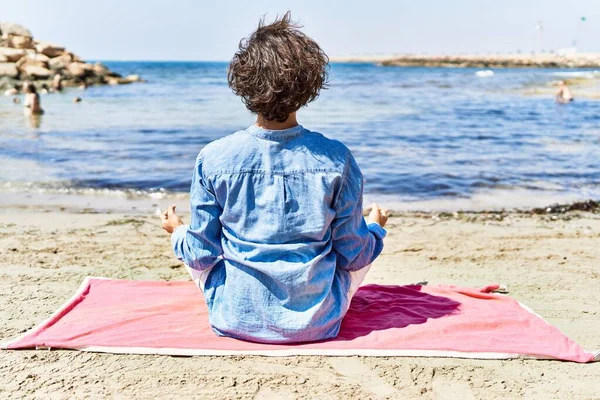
[290, 122]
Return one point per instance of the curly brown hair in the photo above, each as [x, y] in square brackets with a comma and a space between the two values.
[278, 69]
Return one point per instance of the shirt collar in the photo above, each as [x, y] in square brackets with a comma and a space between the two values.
[275, 134]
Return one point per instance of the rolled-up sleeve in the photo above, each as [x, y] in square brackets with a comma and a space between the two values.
[199, 244]
[356, 244]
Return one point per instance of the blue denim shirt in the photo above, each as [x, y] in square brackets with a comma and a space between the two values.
[277, 220]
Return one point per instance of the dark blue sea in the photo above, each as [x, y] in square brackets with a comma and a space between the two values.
[446, 138]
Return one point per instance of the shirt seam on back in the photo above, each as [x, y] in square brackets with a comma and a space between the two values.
[262, 172]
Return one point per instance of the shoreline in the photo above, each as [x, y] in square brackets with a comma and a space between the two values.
[537, 60]
[143, 204]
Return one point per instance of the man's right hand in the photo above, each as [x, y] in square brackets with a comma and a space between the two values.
[170, 220]
[378, 215]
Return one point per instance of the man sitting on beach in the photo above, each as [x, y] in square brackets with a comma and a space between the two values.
[277, 239]
[563, 95]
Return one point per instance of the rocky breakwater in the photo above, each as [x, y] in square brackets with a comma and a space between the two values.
[23, 58]
[577, 60]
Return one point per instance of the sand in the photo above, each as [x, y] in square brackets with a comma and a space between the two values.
[550, 265]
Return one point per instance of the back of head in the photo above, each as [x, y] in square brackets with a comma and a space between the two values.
[30, 88]
[278, 69]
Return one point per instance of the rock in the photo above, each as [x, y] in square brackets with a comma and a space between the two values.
[68, 83]
[9, 28]
[7, 83]
[118, 81]
[36, 71]
[23, 58]
[95, 80]
[12, 55]
[79, 70]
[33, 59]
[497, 61]
[133, 78]
[60, 62]
[9, 70]
[21, 42]
[100, 70]
[49, 49]
[113, 81]
[39, 57]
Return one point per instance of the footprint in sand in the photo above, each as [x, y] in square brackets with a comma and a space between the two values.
[357, 372]
[448, 389]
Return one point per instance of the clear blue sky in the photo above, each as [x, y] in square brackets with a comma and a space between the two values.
[211, 30]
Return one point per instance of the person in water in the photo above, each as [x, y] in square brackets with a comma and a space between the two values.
[564, 95]
[277, 239]
[32, 100]
[57, 85]
[12, 91]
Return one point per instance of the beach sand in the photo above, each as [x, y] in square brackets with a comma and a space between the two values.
[550, 265]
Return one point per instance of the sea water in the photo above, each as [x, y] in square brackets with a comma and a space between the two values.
[424, 137]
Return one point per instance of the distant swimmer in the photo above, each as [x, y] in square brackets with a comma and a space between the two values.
[564, 94]
[32, 100]
[57, 85]
[11, 92]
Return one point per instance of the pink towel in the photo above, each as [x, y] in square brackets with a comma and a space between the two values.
[155, 317]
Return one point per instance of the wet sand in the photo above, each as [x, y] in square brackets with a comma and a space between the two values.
[550, 264]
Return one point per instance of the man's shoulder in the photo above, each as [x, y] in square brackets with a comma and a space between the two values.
[225, 142]
[241, 150]
[332, 146]
[224, 147]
